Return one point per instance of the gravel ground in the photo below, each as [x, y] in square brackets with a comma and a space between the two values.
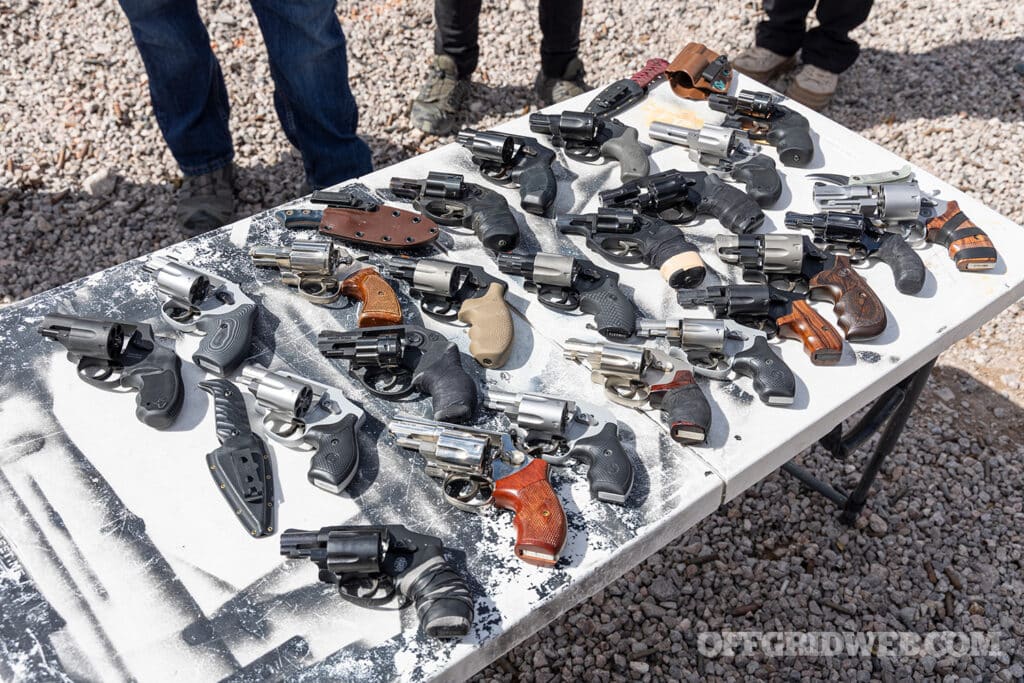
[86, 182]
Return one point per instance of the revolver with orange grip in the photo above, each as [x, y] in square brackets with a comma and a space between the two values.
[463, 458]
[312, 266]
[450, 290]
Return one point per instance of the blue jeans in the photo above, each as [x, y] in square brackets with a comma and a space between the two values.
[306, 48]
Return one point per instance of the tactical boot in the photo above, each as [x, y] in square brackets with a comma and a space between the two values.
[569, 84]
[813, 87]
[435, 108]
[762, 64]
[206, 201]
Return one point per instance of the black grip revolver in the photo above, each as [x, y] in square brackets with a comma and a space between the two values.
[516, 161]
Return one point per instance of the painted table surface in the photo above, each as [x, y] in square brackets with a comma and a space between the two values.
[121, 560]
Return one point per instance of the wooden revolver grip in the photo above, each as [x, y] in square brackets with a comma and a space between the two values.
[859, 310]
[539, 517]
[379, 303]
[821, 341]
[969, 246]
[490, 326]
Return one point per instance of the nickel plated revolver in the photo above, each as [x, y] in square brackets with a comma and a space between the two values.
[720, 349]
[200, 302]
[558, 431]
[463, 459]
[312, 266]
[640, 376]
[309, 416]
[449, 290]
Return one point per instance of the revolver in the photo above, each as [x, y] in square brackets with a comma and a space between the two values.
[392, 362]
[198, 301]
[855, 235]
[895, 200]
[112, 353]
[681, 196]
[515, 161]
[306, 415]
[586, 137]
[768, 122]
[446, 199]
[468, 293]
[463, 459]
[312, 267]
[625, 236]
[637, 376]
[775, 311]
[241, 467]
[803, 267]
[729, 153]
[557, 431]
[719, 348]
[374, 565]
[565, 283]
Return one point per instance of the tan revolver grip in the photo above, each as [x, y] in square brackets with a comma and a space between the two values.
[490, 326]
[379, 302]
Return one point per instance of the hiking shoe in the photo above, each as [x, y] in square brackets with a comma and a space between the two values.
[206, 201]
[569, 84]
[436, 106]
[813, 87]
[762, 64]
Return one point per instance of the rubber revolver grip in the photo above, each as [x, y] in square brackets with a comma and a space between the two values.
[733, 208]
[610, 471]
[675, 257]
[379, 302]
[335, 458]
[624, 147]
[685, 407]
[908, 269]
[821, 341]
[614, 313]
[160, 388]
[760, 178]
[537, 188]
[452, 391]
[490, 326]
[443, 602]
[227, 339]
[968, 245]
[773, 381]
[860, 312]
[790, 134]
[539, 518]
[492, 221]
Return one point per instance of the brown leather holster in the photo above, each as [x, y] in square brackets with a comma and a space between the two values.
[697, 72]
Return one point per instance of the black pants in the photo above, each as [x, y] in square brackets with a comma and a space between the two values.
[458, 28]
[826, 46]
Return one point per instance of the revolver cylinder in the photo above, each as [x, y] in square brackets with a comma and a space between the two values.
[833, 226]
[488, 145]
[87, 338]
[569, 125]
[536, 413]
[447, 449]
[276, 392]
[769, 253]
[312, 257]
[706, 334]
[177, 281]
[545, 269]
[616, 360]
[715, 141]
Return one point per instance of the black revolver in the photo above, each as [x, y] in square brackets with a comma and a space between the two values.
[113, 352]
[680, 196]
[625, 236]
[586, 137]
[565, 283]
[446, 199]
[516, 161]
[768, 122]
[392, 362]
[372, 565]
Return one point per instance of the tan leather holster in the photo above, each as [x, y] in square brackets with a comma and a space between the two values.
[697, 72]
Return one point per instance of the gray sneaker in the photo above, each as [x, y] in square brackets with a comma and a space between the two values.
[207, 201]
[569, 84]
[436, 106]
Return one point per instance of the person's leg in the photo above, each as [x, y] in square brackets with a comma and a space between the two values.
[829, 46]
[561, 71]
[309, 65]
[456, 33]
[784, 29]
[190, 102]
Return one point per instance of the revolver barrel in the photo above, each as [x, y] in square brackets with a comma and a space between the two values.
[436, 185]
[536, 413]
[619, 360]
[447, 448]
[312, 257]
[338, 549]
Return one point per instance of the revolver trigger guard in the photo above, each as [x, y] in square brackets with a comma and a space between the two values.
[98, 373]
[719, 371]
[320, 290]
[625, 392]
[558, 298]
[384, 382]
[615, 248]
[442, 309]
[444, 212]
[583, 152]
[284, 430]
[468, 492]
[182, 317]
